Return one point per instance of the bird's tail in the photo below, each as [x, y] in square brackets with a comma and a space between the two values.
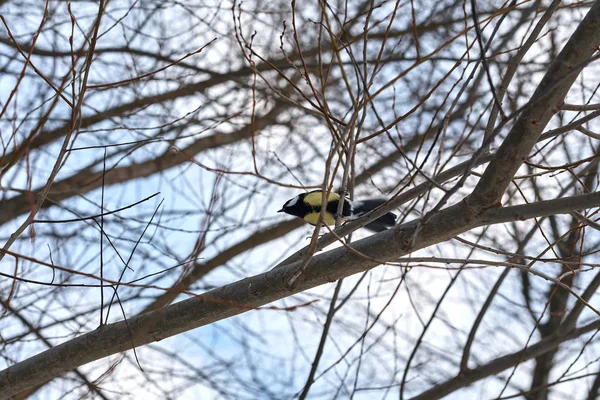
[382, 223]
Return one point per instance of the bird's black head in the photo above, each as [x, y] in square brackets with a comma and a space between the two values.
[295, 206]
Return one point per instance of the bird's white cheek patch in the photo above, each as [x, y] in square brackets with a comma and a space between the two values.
[291, 202]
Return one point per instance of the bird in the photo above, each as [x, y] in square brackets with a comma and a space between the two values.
[308, 207]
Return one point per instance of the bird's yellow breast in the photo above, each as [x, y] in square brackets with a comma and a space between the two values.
[314, 198]
[313, 217]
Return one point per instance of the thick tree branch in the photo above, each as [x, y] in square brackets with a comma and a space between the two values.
[256, 291]
[500, 364]
[545, 102]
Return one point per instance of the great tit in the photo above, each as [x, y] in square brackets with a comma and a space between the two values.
[308, 207]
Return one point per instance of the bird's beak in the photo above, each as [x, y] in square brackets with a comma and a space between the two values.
[280, 210]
